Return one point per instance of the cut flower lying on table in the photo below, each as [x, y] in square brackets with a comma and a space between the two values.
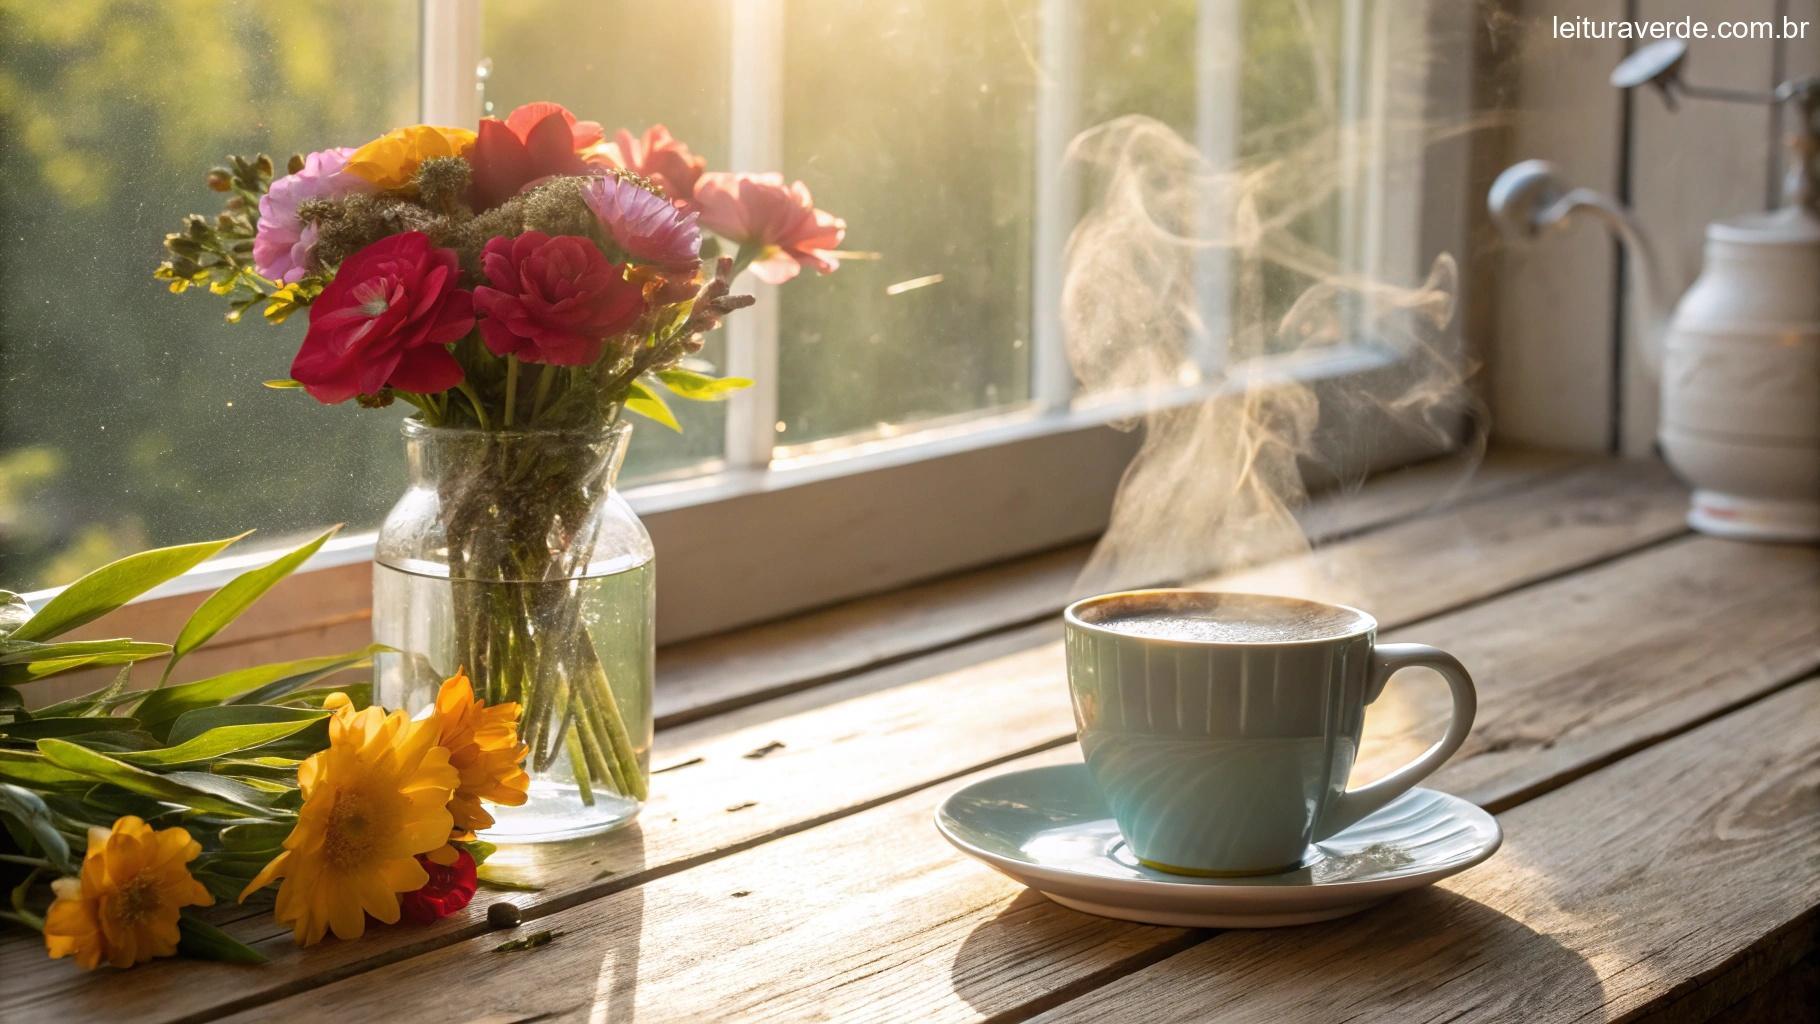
[136, 806]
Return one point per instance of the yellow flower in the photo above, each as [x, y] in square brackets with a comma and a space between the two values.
[124, 908]
[373, 801]
[483, 746]
[391, 160]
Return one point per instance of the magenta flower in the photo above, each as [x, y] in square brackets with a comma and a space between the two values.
[284, 248]
[645, 226]
[553, 300]
[780, 221]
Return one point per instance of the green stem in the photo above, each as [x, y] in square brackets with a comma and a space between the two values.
[544, 380]
[480, 411]
[619, 741]
[511, 387]
[578, 765]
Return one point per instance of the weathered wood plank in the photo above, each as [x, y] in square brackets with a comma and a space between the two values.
[714, 674]
[1670, 885]
[873, 915]
[851, 745]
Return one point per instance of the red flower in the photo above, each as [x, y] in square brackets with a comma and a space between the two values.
[760, 211]
[535, 141]
[448, 890]
[658, 156]
[553, 300]
[386, 321]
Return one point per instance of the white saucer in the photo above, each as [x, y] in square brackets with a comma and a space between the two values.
[1049, 829]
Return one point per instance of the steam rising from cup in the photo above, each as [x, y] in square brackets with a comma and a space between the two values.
[1172, 301]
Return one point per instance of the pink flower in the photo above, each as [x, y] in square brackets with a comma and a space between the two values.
[386, 320]
[759, 210]
[658, 156]
[647, 227]
[553, 300]
[534, 142]
[283, 249]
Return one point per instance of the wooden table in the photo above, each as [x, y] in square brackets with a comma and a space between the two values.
[1648, 734]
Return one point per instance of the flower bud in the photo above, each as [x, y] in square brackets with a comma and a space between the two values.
[220, 180]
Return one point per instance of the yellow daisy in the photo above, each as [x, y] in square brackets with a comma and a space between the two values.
[125, 906]
[391, 160]
[374, 800]
[484, 748]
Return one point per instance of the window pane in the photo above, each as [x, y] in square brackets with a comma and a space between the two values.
[915, 121]
[129, 416]
[626, 65]
[1290, 112]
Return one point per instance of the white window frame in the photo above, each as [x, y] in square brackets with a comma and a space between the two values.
[759, 537]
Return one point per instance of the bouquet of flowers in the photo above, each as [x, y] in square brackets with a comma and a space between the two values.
[136, 806]
[526, 284]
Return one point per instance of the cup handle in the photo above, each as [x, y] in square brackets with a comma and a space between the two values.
[1386, 661]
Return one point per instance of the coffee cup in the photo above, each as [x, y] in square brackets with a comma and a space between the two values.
[1222, 728]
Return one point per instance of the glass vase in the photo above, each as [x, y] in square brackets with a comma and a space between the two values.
[512, 556]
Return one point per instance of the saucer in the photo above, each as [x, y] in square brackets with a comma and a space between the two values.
[1049, 829]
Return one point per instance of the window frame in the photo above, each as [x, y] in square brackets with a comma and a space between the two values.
[759, 538]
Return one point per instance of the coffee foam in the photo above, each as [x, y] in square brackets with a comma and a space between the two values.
[1223, 618]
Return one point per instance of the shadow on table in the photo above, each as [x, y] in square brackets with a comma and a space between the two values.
[615, 992]
[1430, 954]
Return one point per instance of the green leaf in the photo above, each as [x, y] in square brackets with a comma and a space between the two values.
[259, 683]
[699, 387]
[255, 837]
[649, 404]
[497, 878]
[203, 792]
[113, 585]
[121, 653]
[27, 808]
[30, 768]
[41, 727]
[203, 941]
[96, 702]
[192, 724]
[20, 652]
[227, 604]
[226, 739]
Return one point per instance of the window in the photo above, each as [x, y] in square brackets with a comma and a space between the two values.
[929, 369]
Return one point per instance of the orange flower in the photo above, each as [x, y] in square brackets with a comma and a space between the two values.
[484, 748]
[391, 160]
[374, 800]
[124, 908]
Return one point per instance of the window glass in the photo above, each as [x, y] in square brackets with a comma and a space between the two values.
[1292, 124]
[915, 121]
[129, 416]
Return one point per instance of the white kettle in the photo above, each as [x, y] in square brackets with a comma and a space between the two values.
[1739, 359]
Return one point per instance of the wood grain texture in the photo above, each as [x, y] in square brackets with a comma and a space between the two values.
[1672, 885]
[872, 916]
[854, 744]
[717, 673]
